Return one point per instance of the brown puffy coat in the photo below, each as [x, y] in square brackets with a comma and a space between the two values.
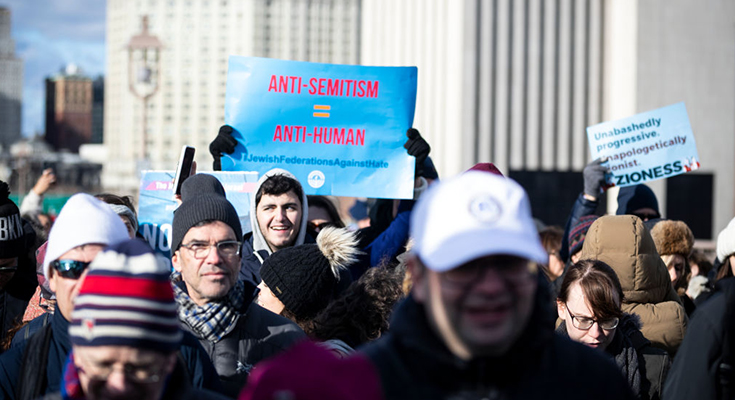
[624, 243]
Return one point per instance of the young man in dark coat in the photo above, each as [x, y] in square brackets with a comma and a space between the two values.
[478, 323]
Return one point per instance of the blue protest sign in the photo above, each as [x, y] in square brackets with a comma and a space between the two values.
[645, 147]
[339, 129]
[156, 204]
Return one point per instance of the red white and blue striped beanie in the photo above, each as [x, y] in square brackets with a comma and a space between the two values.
[126, 299]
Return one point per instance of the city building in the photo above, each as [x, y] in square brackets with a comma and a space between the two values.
[11, 84]
[517, 82]
[174, 93]
[68, 109]
[98, 109]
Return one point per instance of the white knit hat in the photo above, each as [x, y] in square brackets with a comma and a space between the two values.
[83, 220]
[726, 241]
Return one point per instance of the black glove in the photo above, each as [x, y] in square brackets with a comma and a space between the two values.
[224, 143]
[594, 177]
[417, 147]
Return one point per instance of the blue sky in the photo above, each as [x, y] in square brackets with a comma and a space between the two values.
[49, 34]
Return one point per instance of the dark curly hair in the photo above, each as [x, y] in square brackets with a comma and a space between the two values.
[279, 184]
[363, 311]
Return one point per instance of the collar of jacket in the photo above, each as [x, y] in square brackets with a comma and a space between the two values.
[60, 329]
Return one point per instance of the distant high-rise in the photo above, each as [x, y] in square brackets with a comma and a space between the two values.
[68, 109]
[98, 108]
[187, 107]
[11, 84]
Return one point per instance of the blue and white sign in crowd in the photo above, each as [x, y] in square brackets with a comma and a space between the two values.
[338, 128]
[648, 146]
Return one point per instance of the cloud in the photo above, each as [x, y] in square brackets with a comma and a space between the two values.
[49, 34]
[82, 20]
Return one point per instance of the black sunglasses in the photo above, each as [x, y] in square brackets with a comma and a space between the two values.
[70, 269]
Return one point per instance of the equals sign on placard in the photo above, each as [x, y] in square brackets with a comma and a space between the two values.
[319, 111]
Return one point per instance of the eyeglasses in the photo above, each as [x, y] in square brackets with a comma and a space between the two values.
[585, 323]
[70, 269]
[146, 374]
[512, 269]
[226, 248]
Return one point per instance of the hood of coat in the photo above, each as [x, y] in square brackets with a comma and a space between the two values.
[624, 243]
[259, 242]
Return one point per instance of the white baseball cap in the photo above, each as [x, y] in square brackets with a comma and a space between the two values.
[474, 215]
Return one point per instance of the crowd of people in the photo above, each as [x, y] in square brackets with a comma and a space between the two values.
[454, 294]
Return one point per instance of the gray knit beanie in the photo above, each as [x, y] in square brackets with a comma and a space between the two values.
[205, 207]
[201, 184]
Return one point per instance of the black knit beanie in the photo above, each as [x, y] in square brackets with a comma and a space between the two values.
[306, 278]
[205, 207]
[12, 242]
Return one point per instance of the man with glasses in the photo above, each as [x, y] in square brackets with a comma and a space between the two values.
[83, 228]
[478, 322]
[125, 332]
[213, 304]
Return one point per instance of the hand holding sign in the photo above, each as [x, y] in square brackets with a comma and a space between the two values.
[594, 178]
[224, 143]
[418, 147]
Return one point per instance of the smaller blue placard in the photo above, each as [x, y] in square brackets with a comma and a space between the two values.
[156, 204]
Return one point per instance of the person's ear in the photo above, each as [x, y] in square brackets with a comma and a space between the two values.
[52, 280]
[561, 310]
[418, 278]
[176, 262]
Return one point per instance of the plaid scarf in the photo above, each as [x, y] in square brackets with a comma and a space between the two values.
[211, 321]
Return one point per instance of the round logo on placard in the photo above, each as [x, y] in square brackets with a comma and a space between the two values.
[316, 179]
[486, 209]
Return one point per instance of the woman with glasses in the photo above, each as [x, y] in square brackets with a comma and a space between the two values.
[589, 305]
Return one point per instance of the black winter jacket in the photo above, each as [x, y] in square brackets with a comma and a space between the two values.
[645, 367]
[704, 367]
[413, 363]
[257, 335]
